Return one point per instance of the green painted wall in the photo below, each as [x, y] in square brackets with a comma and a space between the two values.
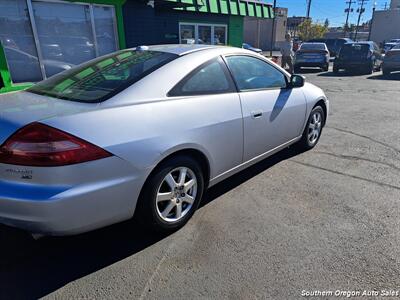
[235, 31]
[4, 73]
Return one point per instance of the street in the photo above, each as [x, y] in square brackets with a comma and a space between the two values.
[326, 219]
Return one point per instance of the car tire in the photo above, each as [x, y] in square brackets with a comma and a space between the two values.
[386, 73]
[307, 140]
[159, 211]
[326, 68]
[370, 69]
[335, 70]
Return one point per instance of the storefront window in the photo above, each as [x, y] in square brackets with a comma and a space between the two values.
[18, 42]
[65, 35]
[204, 35]
[219, 35]
[208, 34]
[53, 36]
[105, 29]
[187, 34]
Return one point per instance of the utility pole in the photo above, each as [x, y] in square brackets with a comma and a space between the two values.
[372, 21]
[360, 12]
[308, 8]
[348, 11]
[273, 29]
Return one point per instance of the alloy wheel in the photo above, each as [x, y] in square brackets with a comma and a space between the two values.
[176, 194]
[314, 127]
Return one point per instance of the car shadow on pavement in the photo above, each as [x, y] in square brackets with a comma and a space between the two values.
[32, 269]
[394, 76]
[340, 74]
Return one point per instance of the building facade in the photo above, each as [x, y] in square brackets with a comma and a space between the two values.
[386, 23]
[258, 32]
[293, 25]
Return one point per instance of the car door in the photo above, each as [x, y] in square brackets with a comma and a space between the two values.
[213, 113]
[273, 113]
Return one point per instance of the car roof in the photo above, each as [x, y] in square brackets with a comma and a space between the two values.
[361, 43]
[181, 49]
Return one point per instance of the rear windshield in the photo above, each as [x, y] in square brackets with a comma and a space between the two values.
[354, 49]
[102, 78]
[312, 46]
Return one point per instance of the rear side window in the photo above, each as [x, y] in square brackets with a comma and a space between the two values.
[313, 46]
[251, 73]
[210, 78]
[104, 77]
[354, 49]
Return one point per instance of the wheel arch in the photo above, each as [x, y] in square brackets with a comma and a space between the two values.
[198, 155]
[321, 103]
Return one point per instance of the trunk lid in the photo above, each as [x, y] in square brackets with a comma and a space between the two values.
[21, 108]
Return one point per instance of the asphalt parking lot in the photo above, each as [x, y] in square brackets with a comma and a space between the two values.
[327, 219]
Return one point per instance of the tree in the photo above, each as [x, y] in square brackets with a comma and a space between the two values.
[326, 24]
[309, 30]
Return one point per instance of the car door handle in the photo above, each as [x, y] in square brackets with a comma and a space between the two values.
[256, 114]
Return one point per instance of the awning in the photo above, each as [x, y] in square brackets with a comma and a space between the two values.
[249, 8]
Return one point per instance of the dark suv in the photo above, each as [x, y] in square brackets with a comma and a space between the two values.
[360, 56]
[334, 45]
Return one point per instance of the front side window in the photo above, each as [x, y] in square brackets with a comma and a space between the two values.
[251, 73]
[104, 77]
[210, 78]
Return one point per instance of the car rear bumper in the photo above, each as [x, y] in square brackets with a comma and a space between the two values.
[64, 210]
[319, 64]
[392, 66]
[352, 65]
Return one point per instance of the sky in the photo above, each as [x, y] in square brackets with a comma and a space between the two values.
[331, 9]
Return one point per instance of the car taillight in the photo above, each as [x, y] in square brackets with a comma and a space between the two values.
[41, 145]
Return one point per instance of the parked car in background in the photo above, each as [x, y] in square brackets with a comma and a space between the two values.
[145, 131]
[312, 55]
[388, 46]
[251, 48]
[361, 56]
[397, 41]
[334, 45]
[391, 61]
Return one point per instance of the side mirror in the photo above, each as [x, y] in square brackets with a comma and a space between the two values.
[297, 81]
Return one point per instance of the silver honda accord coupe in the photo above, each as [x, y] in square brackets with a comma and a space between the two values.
[144, 132]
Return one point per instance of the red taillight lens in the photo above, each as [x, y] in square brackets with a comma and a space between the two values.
[41, 145]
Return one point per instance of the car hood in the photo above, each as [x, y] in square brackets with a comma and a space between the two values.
[21, 108]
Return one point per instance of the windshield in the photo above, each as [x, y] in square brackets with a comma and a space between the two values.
[102, 78]
[312, 46]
